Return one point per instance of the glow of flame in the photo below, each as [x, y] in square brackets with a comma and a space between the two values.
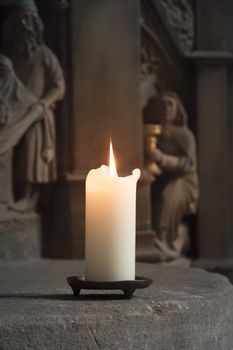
[112, 163]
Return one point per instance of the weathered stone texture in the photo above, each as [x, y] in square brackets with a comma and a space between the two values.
[183, 309]
[180, 17]
[19, 236]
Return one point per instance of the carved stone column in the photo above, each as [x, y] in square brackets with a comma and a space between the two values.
[105, 71]
[213, 61]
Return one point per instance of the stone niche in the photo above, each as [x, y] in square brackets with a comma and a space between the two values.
[21, 227]
[105, 67]
[104, 74]
[102, 70]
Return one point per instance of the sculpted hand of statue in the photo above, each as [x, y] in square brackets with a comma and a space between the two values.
[156, 155]
[46, 104]
[34, 108]
[179, 165]
[48, 155]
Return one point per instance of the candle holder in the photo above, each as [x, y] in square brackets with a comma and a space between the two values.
[128, 287]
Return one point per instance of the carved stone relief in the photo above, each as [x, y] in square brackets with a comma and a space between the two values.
[150, 83]
[19, 109]
[180, 17]
[39, 70]
[31, 83]
[169, 148]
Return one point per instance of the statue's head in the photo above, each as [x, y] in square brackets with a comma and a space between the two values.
[173, 111]
[165, 108]
[30, 28]
[24, 28]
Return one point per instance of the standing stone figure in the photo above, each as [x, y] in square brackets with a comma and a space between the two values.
[19, 109]
[39, 70]
[175, 191]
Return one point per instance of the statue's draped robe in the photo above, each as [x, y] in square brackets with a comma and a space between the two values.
[23, 112]
[42, 74]
[175, 192]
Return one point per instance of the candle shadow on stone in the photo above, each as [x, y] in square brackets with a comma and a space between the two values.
[66, 297]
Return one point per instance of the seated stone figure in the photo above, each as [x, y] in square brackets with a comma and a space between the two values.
[19, 109]
[175, 191]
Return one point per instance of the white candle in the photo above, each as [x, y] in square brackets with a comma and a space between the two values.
[110, 224]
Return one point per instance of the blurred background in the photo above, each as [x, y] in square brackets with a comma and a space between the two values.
[119, 61]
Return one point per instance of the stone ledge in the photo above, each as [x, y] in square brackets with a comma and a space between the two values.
[183, 309]
[20, 236]
[223, 266]
[210, 57]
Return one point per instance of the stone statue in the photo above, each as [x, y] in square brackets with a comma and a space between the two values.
[19, 109]
[175, 191]
[39, 70]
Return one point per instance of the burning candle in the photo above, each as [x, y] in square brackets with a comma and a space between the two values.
[110, 224]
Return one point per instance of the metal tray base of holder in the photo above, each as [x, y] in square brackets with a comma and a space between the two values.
[128, 287]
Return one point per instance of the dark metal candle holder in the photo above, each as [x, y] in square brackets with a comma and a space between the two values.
[128, 287]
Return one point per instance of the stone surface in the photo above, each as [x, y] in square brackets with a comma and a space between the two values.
[20, 236]
[207, 37]
[105, 81]
[214, 128]
[183, 309]
[104, 102]
[223, 266]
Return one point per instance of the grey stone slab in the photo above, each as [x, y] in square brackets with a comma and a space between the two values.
[20, 236]
[104, 102]
[222, 266]
[213, 124]
[213, 56]
[183, 309]
[208, 19]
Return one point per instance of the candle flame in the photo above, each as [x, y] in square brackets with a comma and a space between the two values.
[112, 163]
